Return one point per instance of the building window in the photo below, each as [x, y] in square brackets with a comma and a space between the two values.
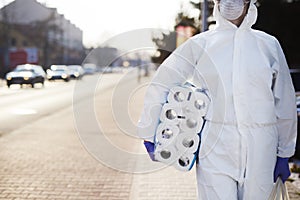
[13, 42]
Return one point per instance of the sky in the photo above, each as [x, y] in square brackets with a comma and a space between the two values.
[102, 19]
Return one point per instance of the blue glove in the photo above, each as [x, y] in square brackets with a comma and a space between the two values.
[282, 169]
[150, 149]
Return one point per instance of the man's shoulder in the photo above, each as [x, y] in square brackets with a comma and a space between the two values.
[263, 35]
[202, 37]
[268, 42]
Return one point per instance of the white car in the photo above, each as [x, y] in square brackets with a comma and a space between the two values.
[58, 72]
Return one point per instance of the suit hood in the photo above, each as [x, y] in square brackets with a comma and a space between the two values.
[248, 22]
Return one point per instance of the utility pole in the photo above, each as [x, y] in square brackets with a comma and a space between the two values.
[204, 10]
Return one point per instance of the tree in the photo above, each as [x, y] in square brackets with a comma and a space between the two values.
[47, 36]
[199, 5]
[165, 46]
[48, 39]
[167, 42]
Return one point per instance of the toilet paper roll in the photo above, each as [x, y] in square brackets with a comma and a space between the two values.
[185, 162]
[187, 142]
[200, 102]
[171, 113]
[166, 133]
[179, 94]
[192, 122]
[166, 154]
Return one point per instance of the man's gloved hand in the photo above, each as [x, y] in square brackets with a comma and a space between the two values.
[282, 169]
[150, 149]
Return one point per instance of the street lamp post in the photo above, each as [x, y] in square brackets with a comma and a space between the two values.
[204, 10]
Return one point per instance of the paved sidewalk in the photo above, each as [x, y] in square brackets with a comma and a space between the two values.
[49, 162]
[46, 160]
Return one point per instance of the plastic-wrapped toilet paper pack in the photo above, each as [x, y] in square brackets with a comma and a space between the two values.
[177, 137]
[166, 133]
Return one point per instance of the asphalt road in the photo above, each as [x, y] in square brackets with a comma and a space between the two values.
[22, 106]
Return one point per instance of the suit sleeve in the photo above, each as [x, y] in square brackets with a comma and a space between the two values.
[174, 71]
[285, 105]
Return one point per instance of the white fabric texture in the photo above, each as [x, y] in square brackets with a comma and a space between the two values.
[252, 115]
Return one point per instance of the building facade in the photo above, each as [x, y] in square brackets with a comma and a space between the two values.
[57, 40]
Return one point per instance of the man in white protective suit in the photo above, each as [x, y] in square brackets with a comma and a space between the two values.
[250, 129]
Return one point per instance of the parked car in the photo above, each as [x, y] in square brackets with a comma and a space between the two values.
[58, 72]
[76, 71]
[26, 74]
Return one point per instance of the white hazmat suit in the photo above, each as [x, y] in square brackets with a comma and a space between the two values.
[252, 116]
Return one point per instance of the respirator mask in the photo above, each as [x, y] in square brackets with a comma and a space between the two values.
[232, 9]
